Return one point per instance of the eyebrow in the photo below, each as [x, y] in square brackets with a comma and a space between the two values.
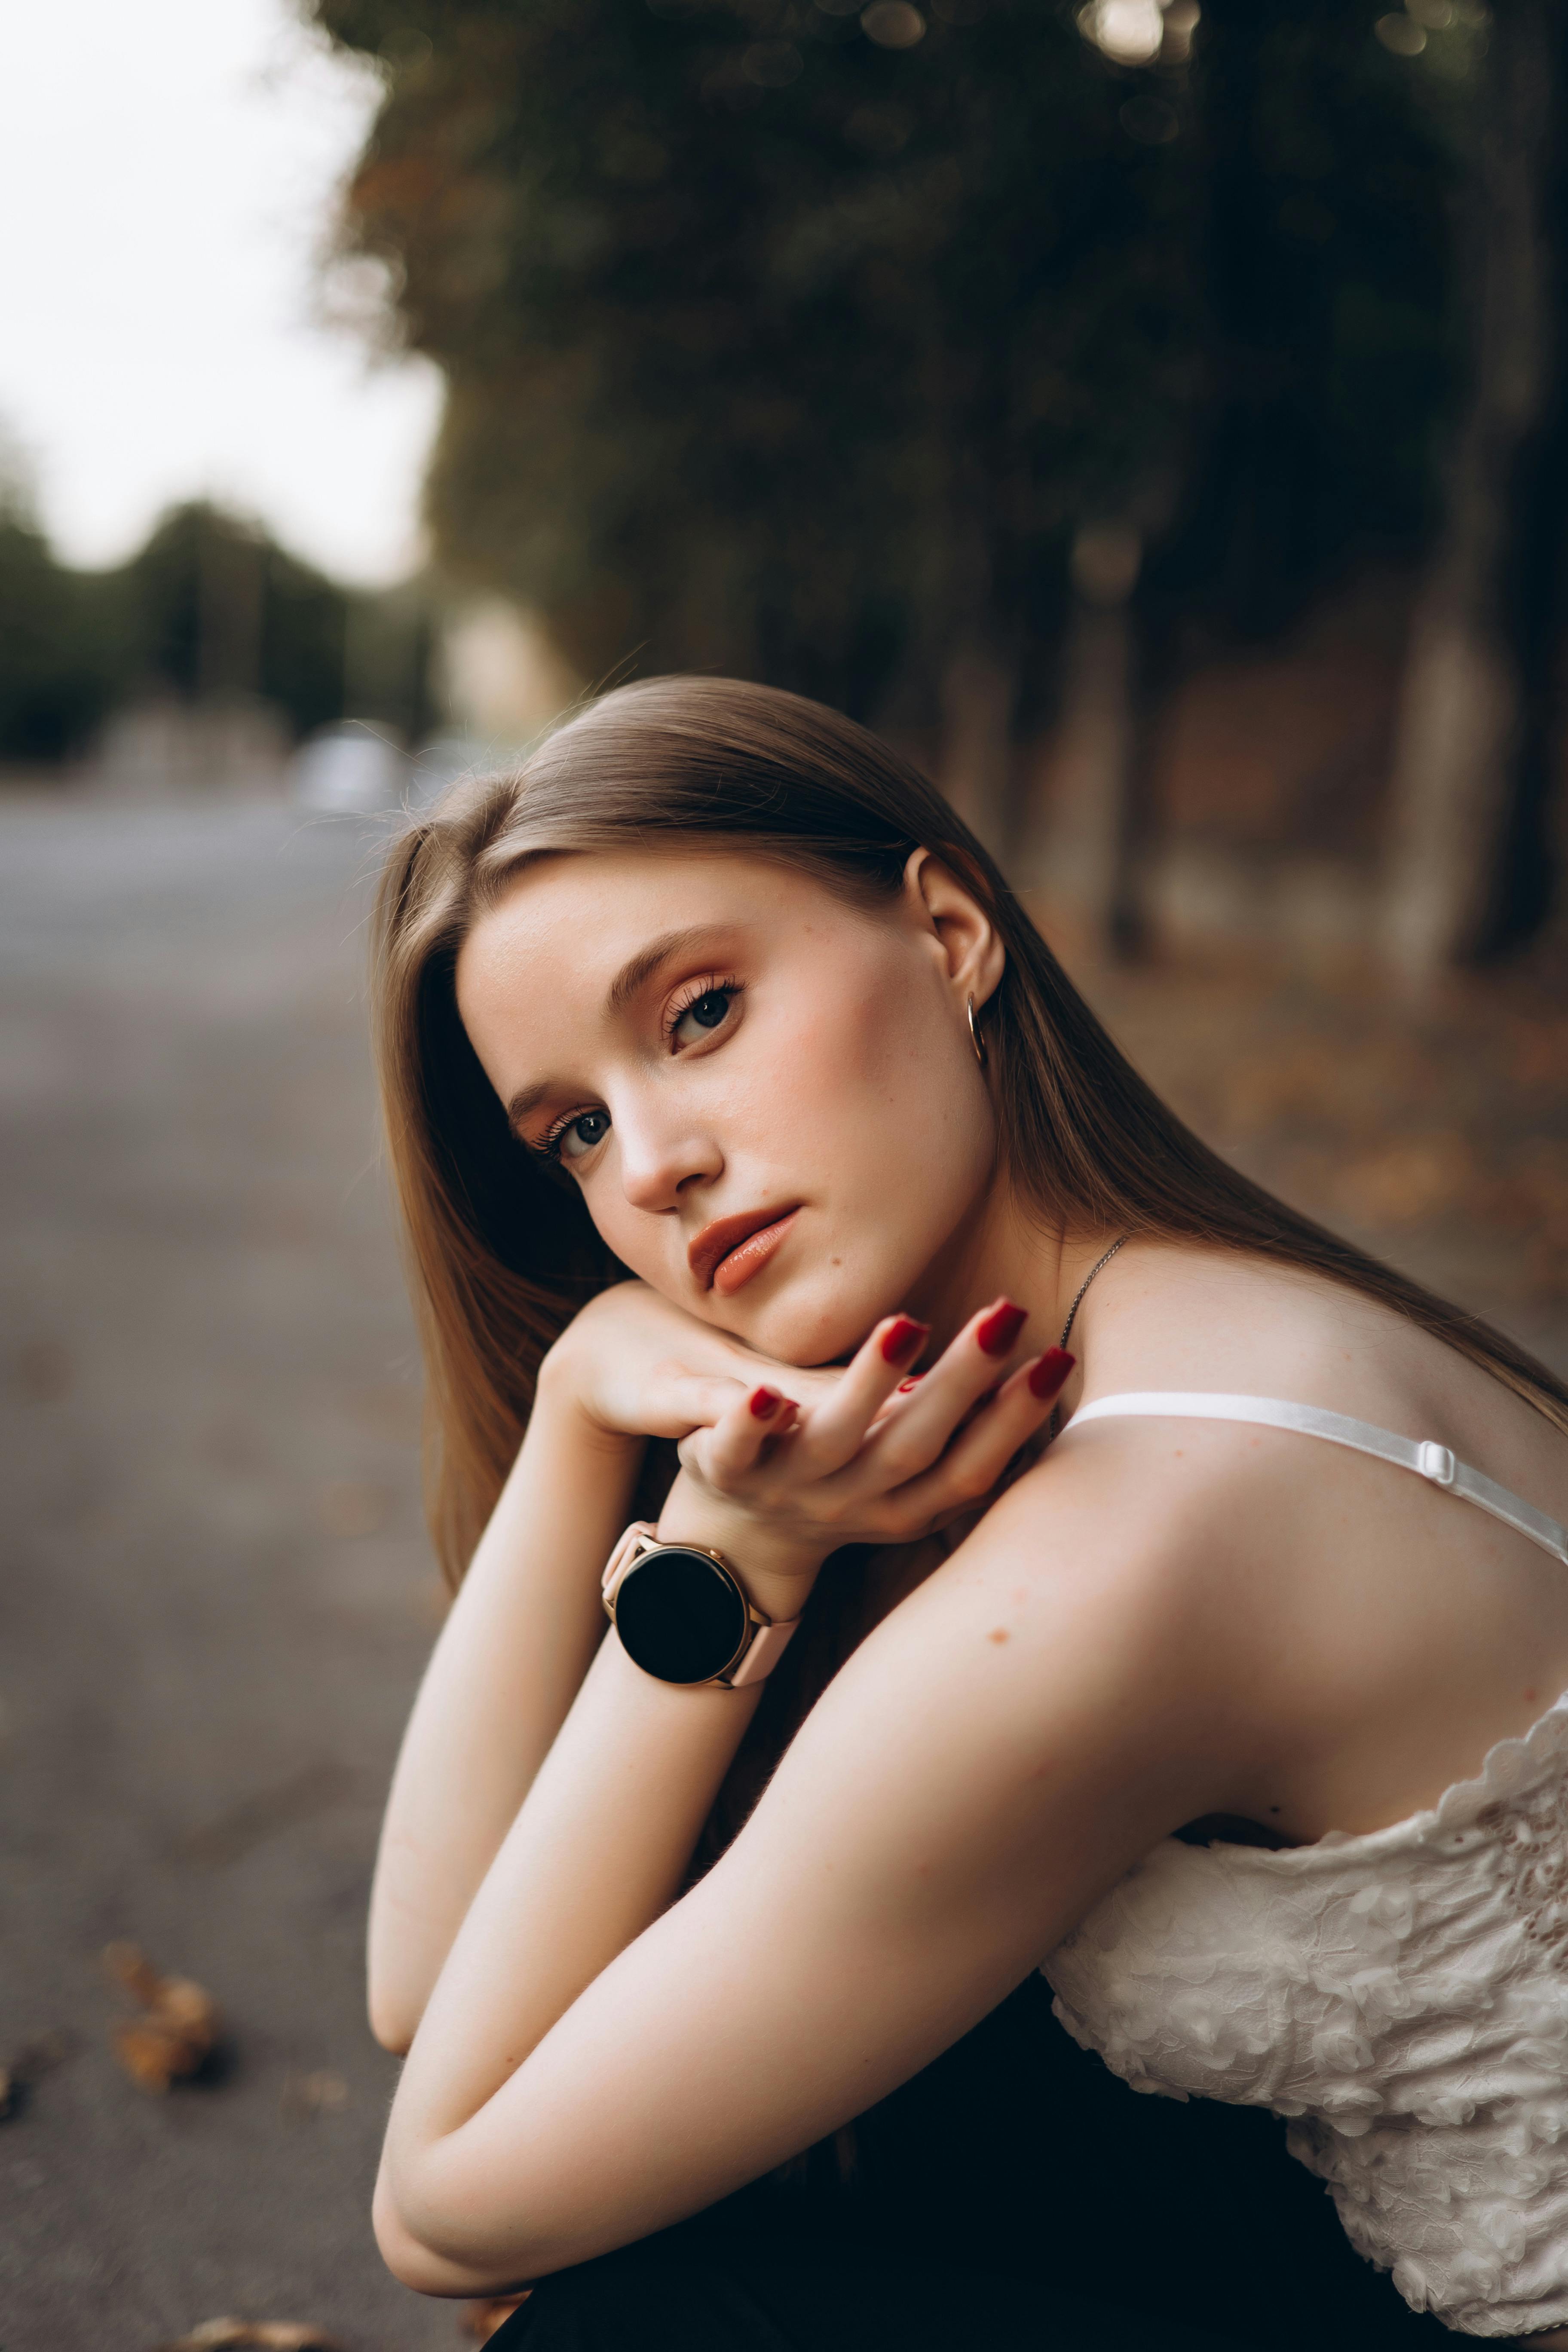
[639, 968]
[634, 975]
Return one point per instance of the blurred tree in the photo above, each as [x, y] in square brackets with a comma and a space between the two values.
[780, 338]
[214, 612]
[59, 655]
[809, 341]
[1332, 340]
[211, 611]
[1480, 760]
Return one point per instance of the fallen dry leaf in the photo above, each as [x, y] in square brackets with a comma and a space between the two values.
[481, 2319]
[180, 2027]
[273, 2335]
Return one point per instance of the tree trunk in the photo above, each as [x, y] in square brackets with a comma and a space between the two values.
[1462, 722]
[1101, 803]
[979, 693]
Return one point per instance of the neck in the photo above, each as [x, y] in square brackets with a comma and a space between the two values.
[1006, 1251]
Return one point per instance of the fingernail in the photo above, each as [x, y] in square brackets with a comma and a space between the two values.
[791, 1413]
[765, 1403]
[1046, 1376]
[901, 1338]
[912, 1382]
[1000, 1329]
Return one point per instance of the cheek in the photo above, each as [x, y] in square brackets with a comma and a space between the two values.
[865, 1082]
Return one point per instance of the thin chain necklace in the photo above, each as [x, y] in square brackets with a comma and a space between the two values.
[1054, 1423]
[1083, 1286]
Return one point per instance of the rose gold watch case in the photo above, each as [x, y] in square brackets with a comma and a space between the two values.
[765, 1638]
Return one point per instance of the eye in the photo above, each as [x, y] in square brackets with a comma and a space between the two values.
[703, 1014]
[581, 1135]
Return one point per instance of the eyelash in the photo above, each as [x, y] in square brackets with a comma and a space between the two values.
[692, 993]
[548, 1148]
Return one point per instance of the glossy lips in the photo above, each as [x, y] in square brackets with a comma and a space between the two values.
[727, 1253]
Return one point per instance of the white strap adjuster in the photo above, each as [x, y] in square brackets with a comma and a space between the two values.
[1434, 1462]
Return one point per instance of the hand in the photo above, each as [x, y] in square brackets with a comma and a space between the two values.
[879, 1459]
[636, 1367]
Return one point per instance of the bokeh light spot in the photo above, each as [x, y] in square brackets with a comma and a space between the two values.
[893, 25]
[1130, 31]
[1401, 34]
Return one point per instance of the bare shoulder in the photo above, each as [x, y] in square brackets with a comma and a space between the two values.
[1169, 1315]
[1102, 1588]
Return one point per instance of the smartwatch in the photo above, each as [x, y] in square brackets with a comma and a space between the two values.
[684, 1616]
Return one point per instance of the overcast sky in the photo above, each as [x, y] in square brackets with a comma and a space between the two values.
[167, 171]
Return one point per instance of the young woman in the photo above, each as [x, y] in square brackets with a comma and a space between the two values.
[735, 1103]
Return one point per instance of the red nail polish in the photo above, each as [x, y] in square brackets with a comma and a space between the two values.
[901, 1338]
[912, 1382]
[765, 1403]
[1046, 1376]
[999, 1330]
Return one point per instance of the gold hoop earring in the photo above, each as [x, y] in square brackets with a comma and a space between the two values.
[975, 1039]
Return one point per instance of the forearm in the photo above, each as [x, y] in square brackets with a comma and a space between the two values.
[509, 1661]
[598, 1851]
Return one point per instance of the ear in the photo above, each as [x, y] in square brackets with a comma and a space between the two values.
[942, 905]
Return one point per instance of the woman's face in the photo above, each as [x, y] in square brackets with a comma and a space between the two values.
[769, 1098]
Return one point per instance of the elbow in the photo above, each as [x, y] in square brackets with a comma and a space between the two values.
[394, 2013]
[413, 2263]
[391, 2027]
[417, 2264]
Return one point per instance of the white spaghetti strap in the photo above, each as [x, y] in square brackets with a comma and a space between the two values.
[1433, 1462]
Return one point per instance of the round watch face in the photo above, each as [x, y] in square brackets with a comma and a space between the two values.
[680, 1617]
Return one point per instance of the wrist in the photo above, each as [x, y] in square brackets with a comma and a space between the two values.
[777, 1573]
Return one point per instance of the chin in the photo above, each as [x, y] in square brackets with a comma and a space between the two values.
[812, 1321]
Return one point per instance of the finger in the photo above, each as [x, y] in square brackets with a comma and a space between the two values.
[894, 1402]
[738, 1439]
[967, 1370]
[980, 1454]
[684, 1400]
[833, 1430]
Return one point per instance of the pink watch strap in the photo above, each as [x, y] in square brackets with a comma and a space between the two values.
[768, 1645]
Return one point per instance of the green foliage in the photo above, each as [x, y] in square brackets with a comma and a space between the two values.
[58, 668]
[774, 347]
[209, 610]
[769, 347]
[1333, 171]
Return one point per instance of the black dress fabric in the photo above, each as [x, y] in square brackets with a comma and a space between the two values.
[1014, 2196]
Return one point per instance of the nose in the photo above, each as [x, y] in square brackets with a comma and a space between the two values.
[663, 1155]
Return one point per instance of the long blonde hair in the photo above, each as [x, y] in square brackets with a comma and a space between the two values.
[501, 1249]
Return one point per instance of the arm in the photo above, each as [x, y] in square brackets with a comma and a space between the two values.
[953, 1804]
[523, 1629]
[510, 1660]
[598, 2059]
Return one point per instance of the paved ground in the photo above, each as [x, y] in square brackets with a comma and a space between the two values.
[216, 1593]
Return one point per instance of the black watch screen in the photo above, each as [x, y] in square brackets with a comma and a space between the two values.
[681, 1617]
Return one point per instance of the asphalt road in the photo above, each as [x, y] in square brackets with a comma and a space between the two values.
[216, 1593]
